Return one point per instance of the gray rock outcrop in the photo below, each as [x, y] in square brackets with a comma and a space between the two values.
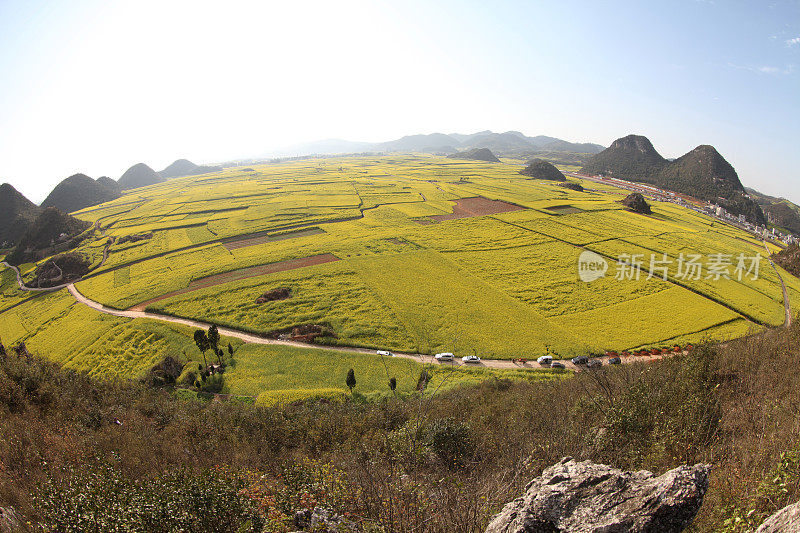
[10, 521]
[787, 520]
[583, 497]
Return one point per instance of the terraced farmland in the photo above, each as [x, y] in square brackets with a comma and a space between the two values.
[431, 254]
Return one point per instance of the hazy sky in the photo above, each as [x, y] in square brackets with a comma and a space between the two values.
[96, 86]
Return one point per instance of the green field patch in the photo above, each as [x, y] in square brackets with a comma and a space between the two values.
[330, 293]
[644, 320]
[445, 308]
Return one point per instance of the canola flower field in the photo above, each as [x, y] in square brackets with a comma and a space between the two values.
[410, 274]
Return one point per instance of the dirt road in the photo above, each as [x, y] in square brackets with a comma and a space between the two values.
[256, 339]
[786, 305]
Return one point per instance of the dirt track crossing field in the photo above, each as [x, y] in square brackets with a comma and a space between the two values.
[260, 270]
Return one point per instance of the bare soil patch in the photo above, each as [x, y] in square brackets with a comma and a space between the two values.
[281, 293]
[256, 239]
[243, 273]
[476, 207]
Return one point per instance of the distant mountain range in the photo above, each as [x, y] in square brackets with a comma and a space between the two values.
[509, 143]
[702, 173]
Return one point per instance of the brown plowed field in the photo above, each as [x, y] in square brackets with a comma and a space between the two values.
[476, 207]
[243, 273]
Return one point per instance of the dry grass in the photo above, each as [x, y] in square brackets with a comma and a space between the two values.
[409, 462]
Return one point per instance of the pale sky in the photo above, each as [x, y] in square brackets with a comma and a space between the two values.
[96, 86]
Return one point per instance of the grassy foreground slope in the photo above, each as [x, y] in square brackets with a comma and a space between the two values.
[80, 454]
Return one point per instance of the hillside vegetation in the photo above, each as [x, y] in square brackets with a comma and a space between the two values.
[81, 453]
[49, 230]
[16, 214]
[78, 192]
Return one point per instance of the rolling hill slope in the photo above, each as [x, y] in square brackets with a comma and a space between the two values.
[78, 192]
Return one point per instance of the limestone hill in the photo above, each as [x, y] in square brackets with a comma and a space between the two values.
[541, 169]
[16, 214]
[702, 173]
[109, 184]
[476, 154]
[139, 175]
[632, 157]
[184, 167]
[77, 192]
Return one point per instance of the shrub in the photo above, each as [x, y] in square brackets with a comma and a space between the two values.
[99, 498]
[451, 441]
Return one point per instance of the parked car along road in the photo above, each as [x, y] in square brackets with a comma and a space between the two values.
[545, 360]
[473, 359]
[594, 363]
[445, 356]
[615, 361]
[385, 353]
[580, 360]
[556, 364]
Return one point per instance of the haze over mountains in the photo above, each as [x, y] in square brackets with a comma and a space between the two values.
[507, 143]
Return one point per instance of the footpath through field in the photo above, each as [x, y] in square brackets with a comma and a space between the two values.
[786, 306]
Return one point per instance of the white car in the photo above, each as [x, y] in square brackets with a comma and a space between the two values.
[385, 353]
[545, 360]
[471, 359]
[445, 356]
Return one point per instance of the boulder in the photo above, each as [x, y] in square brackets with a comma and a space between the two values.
[787, 520]
[582, 497]
[10, 521]
[321, 519]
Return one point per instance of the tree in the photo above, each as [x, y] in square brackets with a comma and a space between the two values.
[393, 384]
[201, 340]
[213, 338]
[230, 350]
[350, 381]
